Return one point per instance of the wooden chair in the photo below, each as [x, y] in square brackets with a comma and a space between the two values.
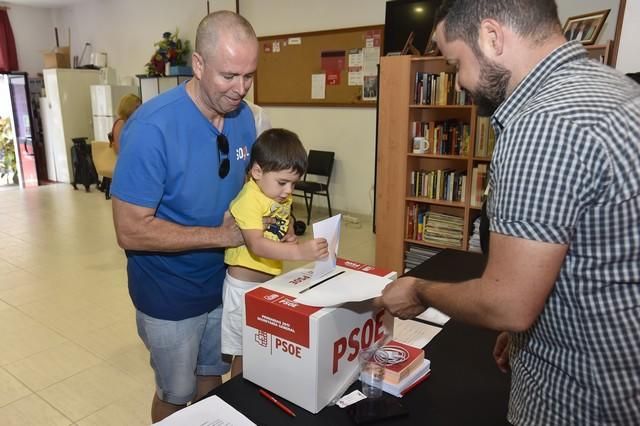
[320, 167]
[104, 158]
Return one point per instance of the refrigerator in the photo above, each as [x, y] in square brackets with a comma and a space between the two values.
[104, 107]
[17, 94]
[66, 114]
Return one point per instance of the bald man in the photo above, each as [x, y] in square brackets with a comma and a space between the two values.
[183, 159]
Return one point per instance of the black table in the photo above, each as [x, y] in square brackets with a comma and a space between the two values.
[465, 387]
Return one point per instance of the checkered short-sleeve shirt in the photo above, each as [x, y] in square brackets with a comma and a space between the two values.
[566, 170]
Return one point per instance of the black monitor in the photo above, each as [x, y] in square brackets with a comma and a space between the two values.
[404, 16]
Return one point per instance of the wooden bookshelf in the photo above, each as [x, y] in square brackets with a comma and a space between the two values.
[398, 108]
[601, 52]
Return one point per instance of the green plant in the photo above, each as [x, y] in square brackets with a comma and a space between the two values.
[7, 149]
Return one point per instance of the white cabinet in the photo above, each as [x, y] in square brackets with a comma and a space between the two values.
[66, 113]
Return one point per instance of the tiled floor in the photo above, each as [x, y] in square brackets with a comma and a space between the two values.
[69, 351]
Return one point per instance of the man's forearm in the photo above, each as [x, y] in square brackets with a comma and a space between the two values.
[478, 302]
[155, 234]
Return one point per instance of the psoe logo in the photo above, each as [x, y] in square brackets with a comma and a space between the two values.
[271, 297]
[262, 338]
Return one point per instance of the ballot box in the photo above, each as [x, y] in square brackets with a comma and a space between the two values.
[309, 354]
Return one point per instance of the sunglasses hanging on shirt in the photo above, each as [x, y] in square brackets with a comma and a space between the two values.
[223, 156]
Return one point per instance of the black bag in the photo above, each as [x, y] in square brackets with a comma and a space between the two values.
[84, 171]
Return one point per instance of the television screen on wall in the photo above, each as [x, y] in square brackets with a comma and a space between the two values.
[404, 16]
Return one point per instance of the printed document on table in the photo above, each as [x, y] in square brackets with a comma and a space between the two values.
[329, 229]
[211, 411]
[414, 333]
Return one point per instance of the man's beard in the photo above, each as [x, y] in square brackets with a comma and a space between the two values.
[492, 87]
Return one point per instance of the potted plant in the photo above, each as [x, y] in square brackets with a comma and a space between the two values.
[8, 164]
[171, 52]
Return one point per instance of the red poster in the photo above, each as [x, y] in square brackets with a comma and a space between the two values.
[333, 78]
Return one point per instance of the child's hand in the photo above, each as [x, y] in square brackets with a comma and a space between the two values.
[315, 249]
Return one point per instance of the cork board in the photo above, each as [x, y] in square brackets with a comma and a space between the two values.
[286, 64]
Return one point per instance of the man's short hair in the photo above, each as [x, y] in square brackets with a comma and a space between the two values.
[536, 20]
[221, 22]
[279, 149]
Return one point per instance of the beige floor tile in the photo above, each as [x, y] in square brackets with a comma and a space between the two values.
[131, 411]
[89, 391]
[52, 365]
[111, 341]
[10, 388]
[32, 411]
[23, 337]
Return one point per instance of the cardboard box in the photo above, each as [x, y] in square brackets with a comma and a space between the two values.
[59, 58]
[307, 354]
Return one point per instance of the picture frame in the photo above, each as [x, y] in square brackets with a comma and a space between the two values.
[585, 28]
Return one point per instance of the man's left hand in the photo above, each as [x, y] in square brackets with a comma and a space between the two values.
[400, 298]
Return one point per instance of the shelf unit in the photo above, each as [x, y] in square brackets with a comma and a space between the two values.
[396, 161]
[601, 52]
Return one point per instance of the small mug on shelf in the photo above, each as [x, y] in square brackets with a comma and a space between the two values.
[420, 145]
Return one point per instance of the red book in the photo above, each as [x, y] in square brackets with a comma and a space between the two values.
[404, 360]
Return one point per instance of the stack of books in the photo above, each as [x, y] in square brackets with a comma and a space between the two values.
[415, 255]
[444, 229]
[407, 367]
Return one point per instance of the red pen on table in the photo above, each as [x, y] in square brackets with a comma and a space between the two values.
[278, 403]
[415, 384]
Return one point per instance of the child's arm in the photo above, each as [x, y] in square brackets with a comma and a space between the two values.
[264, 247]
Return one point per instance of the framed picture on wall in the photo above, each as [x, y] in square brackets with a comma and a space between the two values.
[585, 28]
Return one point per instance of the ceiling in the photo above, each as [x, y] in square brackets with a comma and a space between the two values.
[41, 3]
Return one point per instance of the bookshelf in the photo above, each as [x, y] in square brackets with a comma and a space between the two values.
[438, 180]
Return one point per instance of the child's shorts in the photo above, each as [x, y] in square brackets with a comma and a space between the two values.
[232, 304]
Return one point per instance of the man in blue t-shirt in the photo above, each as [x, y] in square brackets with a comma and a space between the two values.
[183, 159]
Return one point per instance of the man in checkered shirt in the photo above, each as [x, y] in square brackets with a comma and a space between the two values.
[563, 273]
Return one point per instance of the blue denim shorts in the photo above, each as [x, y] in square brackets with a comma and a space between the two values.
[182, 350]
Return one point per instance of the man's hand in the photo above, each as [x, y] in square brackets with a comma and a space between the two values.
[400, 298]
[229, 231]
[315, 249]
[501, 351]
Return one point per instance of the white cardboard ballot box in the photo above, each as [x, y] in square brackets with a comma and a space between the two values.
[307, 354]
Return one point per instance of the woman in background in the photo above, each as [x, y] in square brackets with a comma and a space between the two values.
[128, 104]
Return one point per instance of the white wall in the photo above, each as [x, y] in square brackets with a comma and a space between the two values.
[349, 132]
[628, 52]
[567, 8]
[33, 32]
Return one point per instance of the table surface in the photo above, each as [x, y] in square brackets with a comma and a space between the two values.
[465, 386]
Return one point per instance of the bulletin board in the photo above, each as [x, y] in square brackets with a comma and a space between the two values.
[288, 63]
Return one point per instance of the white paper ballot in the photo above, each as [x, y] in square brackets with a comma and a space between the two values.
[435, 316]
[348, 286]
[329, 229]
[211, 411]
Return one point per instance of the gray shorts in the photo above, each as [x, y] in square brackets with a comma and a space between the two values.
[182, 350]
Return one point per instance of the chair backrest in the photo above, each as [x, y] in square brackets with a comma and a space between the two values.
[104, 158]
[320, 163]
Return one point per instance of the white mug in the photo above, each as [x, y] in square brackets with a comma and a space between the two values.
[420, 145]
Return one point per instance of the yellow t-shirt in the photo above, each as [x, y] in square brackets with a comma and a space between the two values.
[248, 209]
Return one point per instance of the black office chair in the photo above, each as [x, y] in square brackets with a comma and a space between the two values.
[320, 165]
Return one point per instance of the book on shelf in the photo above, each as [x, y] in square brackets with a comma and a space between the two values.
[449, 137]
[478, 184]
[443, 229]
[485, 137]
[438, 89]
[445, 184]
